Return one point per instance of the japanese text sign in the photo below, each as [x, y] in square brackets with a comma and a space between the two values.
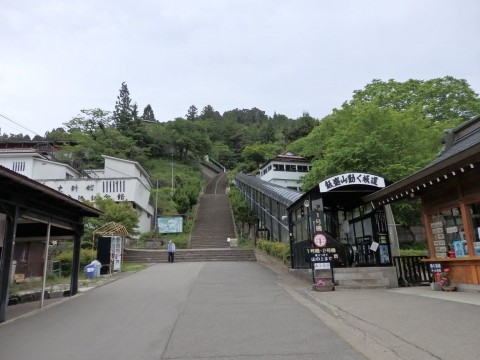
[351, 179]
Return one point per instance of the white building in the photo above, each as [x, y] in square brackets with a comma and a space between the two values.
[121, 180]
[285, 170]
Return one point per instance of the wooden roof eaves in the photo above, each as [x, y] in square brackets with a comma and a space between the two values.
[36, 186]
[412, 183]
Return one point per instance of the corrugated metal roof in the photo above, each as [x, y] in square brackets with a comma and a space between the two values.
[279, 193]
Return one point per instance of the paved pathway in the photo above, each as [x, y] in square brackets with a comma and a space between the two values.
[403, 323]
[178, 311]
[246, 311]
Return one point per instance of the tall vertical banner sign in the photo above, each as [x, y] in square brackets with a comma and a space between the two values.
[116, 252]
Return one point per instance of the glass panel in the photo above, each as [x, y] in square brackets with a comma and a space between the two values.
[448, 233]
[475, 213]
[351, 233]
[358, 229]
[367, 227]
[368, 208]
[305, 229]
[356, 213]
[296, 232]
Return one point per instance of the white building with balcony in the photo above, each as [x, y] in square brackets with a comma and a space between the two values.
[121, 180]
[285, 170]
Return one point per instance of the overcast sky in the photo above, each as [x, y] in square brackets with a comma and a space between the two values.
[283, 56]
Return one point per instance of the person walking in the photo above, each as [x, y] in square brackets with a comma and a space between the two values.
[171, 251]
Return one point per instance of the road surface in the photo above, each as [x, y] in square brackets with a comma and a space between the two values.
[223, 310]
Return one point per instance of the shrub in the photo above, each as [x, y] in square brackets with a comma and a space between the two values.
[413, 252]
[278, 250]
[65, 258]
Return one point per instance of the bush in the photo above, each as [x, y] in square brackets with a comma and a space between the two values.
[278, 250]
[413, 249]
[65, 258]
[412, 245]
[413, 252]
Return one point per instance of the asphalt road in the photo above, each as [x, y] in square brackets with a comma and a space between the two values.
[234, 310]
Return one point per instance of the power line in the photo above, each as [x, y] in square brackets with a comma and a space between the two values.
[23, 127]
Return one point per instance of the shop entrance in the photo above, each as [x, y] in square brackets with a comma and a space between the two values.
[354, 228]
[368, 235]
[363, 255]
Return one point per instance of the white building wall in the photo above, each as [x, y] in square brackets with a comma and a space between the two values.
[145, 220]
[121, 168]
[128, 181]
[287, 175]
[283, 178]
[286, 183]
[118, 189]
[46, 169]
[115, 168]
[20, 163]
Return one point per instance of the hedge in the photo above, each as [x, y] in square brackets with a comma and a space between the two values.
[278, 250]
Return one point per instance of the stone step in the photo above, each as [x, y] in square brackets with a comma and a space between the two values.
[358, 275]
[214, 221]
[198, 255]
[362, 287]
[362, 282]
[364, 277]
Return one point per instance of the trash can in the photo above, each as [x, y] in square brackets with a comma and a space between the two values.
[90, 271]
[98, 266]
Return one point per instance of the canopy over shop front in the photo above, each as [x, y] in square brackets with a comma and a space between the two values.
[450, 194]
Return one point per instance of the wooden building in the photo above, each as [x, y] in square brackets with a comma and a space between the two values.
[449, 189]
[33, 214]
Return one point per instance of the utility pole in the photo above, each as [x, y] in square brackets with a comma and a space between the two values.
[156, 208]
[172, 176]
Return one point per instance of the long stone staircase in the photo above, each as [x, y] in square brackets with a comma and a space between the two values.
[214, 223]
[213, 226]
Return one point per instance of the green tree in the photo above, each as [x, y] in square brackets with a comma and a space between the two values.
[89, 148]
[119, 212]
[256, 154]
[135, 117]
[209, 112]
[123, 114]
[15, 137]
[267, 132]
[246, 116]
[366, 138]
[58, 134]
[189, 138]
[89, 121]
[300, 128]
[222, 153]
[161, 138]
[148, 114]
[192, 113]
[440, 99]
[244, 216]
